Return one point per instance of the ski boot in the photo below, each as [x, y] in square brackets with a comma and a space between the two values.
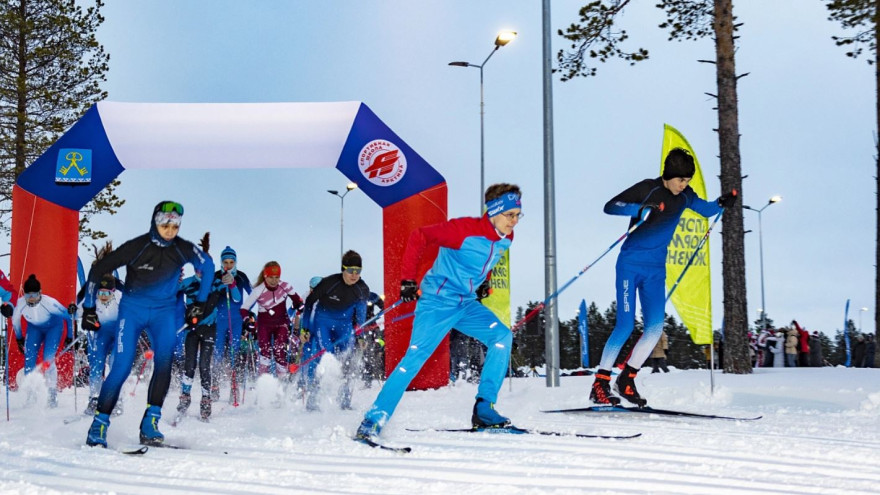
[92, 407]
[150, 434]
[52, 403]
[368, 430]
[185, 401]
[626, 386]
[485, 416]
[97, 436]
[600, 393]
[205, 408]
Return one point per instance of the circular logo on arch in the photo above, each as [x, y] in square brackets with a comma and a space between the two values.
[381, 162]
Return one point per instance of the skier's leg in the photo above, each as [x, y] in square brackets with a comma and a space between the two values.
[626, 310]
[481, 323]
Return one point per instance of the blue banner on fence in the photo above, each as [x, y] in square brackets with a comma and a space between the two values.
[583, 329]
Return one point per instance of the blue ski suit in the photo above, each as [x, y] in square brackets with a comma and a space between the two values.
[331, 312]
[641, 264]
[468, 250]
[45, 324]
[229, 314]
[149, 304]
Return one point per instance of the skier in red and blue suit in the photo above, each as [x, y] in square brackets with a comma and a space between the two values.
[153, 262]
[641, 266]
[468, 250]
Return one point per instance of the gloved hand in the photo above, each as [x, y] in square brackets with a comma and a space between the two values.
[727, 200]
[483, 290]
[227, 279]
[6, 310]
[304, 335]
[195, 314]
[90, 320]
[71, 309]
[650, 207]
[249, 325]
[409, 290]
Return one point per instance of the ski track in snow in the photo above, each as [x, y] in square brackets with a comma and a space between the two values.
[819, 435]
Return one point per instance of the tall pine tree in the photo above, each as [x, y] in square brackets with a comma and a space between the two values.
[51, 70]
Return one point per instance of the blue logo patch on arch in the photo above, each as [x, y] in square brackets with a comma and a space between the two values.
[73, 166]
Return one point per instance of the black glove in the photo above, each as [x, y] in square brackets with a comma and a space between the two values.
[727, 200]
[409, 290]
[195, 314]
[652, 207]
[483, 290]
[90, 320]
[20, 342]
[6, 310]
[71, 309]
[249, 325]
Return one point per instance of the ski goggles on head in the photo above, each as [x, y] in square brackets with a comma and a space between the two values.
[353, 270]
[167, 218]
[171, 207]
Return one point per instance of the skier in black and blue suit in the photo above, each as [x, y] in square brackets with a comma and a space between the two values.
[153, 262]
[641, 266]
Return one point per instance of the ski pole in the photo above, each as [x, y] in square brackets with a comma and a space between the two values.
[694, 254]
[231, 351]
[148, 354]
[6, 363]
[75, 360]
[359, 330]
[554, 295]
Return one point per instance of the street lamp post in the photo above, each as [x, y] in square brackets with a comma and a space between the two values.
[503, 38]
[774, 199]
[348, 188]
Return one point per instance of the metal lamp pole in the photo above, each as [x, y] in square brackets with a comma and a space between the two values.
[348, 188]
[774, 199]
[503, 38]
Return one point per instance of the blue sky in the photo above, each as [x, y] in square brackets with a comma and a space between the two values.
[806, 119]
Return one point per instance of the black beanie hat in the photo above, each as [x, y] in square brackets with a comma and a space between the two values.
[108, 282]
[351, 258]
[32, 284]
[678, 163]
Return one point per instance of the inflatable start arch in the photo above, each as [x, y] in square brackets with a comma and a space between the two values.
[112, 137]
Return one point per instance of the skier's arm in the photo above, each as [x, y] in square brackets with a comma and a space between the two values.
[202, 262]
[109, 262]
[16, 317]
[701, 206]
[630, 201]
[448, 234]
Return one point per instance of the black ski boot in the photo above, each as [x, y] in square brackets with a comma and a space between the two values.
[600, 393]
[185, 401]
[205, 408]
[626, 386]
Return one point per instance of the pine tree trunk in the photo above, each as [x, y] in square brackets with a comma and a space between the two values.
[736, 350]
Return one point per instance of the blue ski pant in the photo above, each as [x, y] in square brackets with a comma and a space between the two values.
[228, 325]
[434, 317]
[160, 322]
[50, 338]
[650, 283]
[100, 346]
[337, 337]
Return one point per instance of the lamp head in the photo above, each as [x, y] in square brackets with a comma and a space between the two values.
[333, 192]
[351, 185]
[775, 199]
[504, 37]
[460, 64]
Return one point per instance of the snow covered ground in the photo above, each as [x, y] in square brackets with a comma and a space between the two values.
[820, 433]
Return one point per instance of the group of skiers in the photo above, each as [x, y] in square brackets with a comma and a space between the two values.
[219, 314]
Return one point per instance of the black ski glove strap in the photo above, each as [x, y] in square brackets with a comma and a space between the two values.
[90, 320]
[409, 290]
[483, 290]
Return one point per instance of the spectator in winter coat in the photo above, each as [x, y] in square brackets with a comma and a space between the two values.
[765, 356]
[332, 311]
[46, 318]
[776, 344]
[658, 355]
[816, 358]
[791, 343]
[234, 285]
[153, 262]
[272, 323]
[469, 248]
[803, 345]
[858, 352]
[641, 267]
[870, 350]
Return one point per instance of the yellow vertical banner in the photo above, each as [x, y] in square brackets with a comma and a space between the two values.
[499, 300]
[693, 297]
